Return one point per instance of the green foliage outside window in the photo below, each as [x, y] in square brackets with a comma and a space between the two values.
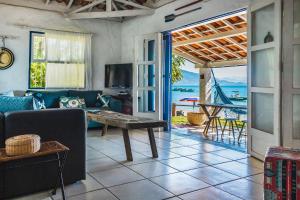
[37, 75]
[177, 63]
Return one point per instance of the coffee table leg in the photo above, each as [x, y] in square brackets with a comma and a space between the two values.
[152, 143]
[127, 144]
[104, 129]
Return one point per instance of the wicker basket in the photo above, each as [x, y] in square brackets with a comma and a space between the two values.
[22, 144]
[196, 118]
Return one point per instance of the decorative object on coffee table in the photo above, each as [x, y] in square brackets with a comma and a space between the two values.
[127, 122]
[22, 144]
[47, 148]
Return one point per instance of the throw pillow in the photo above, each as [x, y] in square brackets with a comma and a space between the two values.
[71, 102]
[38, 101]
[103, 101]
[8, 94]
[8, 104]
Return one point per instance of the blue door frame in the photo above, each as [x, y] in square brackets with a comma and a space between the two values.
[167, 95]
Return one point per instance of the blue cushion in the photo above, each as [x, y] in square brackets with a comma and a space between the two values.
[51, 98]
[8, 104]
[90, 96]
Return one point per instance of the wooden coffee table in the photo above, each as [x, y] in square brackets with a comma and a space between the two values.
[127, 122]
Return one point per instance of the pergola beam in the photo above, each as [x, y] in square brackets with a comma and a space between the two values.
[227, 63]
[212, 37]
[111, 14]
[188, 57]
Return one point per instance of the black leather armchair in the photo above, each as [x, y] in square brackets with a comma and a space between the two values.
[67, 126]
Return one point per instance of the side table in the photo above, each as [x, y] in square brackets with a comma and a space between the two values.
[47, 148]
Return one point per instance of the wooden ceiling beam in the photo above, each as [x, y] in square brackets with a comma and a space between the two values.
[212, 51]
[111, 14]
[70, 4]
[36, 4]
[240, 31]
[130, 3]
[90, 5]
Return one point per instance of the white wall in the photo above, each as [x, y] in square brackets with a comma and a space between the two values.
[155, 23]
[106, 42]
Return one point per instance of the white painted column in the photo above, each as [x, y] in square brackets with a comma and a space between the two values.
[205, 85]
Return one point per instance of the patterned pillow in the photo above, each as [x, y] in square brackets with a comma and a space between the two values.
[38, 101]
[71, 102]
[103, 101]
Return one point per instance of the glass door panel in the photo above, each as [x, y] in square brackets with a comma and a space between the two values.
[262, 25]
[296, 67]
[296, 18]
[146, 101]
[146, 75]
[263, 68]
[296, 117]
[263, 112]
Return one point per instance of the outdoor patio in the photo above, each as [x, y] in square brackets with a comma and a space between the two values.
[188, 167]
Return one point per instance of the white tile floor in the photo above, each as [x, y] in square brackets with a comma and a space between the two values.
[188, 168]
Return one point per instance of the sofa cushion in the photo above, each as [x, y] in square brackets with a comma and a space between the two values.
[15, 103]
[90, 96]
[71, 102]
[51, 98]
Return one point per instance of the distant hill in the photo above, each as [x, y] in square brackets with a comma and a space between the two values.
[191, 78]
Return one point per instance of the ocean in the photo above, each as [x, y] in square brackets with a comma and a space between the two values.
[194, 92]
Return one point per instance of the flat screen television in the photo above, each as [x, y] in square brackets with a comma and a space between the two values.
[118, 76]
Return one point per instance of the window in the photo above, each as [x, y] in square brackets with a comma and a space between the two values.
[58, 60]
[37, 60]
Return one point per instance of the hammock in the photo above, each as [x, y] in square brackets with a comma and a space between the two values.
[221, 98]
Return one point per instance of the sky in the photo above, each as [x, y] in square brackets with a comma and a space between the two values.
[233, 74]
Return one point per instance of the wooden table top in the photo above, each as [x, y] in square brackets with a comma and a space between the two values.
[47, 148]
[124, 121]
[230, 106]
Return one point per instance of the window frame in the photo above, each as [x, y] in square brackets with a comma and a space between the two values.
[31, 35]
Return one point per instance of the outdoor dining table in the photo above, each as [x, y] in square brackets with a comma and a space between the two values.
[216, 109]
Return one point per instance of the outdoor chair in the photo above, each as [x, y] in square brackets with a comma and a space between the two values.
[243, 131]
[214, 120]
[232, 123]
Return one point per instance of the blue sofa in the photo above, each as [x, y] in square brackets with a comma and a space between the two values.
[51, 99]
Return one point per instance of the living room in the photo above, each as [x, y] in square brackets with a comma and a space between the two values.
[85, 99]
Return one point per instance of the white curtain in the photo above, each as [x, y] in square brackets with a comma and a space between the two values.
[68, 60]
